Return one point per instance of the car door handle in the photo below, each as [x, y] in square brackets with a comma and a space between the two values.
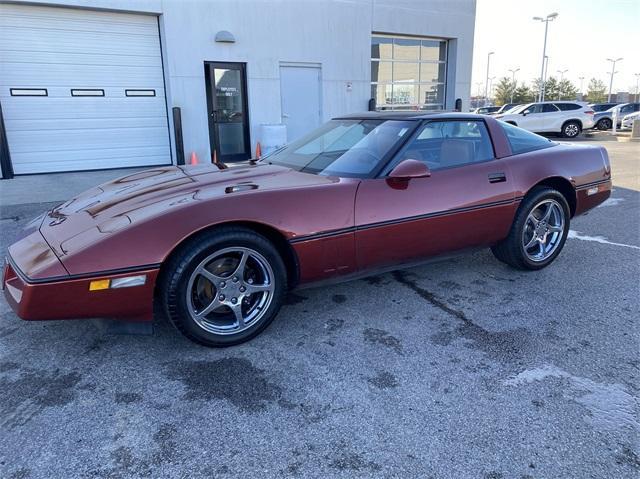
[497, 177]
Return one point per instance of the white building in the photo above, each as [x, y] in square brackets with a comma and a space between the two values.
[92, 84]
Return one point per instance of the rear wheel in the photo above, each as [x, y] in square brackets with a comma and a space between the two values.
[571, 129]
[225, 288]
[604, 124]
[538, 232]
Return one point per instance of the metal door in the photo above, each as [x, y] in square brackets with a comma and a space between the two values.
[300, 91]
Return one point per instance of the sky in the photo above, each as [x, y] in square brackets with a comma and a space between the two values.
[580, 39]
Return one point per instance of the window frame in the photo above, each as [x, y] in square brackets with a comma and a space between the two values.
[419, 84]
[395, 159]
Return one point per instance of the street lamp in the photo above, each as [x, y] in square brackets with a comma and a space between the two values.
[486, 85]
[546, 20]
[637, 75]
[513, 82]
[613, 72]
[562, 72]
[581, 87]
[491, 84]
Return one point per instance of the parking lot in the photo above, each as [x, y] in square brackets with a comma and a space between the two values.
[463, 368]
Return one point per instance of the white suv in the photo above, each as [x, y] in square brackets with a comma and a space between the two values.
[568, 118]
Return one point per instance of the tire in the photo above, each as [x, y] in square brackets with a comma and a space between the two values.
[513, 251]
[571, 129]
[604, 124]
[204, 293]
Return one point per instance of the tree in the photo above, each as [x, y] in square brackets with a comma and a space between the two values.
[523, 94]
[503, 91]
[566, 91]
[596, 91]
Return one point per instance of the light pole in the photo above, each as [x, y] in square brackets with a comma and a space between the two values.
[546, 20]
[581, 87]
[486, 85]
[545, 69]
[613, 72]
[491, 84]
[637, 75]
[562, 72]
[513, 82]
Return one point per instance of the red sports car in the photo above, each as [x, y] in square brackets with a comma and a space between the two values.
[363, 193]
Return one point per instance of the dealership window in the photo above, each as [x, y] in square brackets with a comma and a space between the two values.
[408, 73]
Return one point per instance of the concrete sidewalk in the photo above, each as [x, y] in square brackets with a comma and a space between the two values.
[54, 186]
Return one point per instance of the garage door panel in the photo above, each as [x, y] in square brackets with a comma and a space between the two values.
[80, 58]
[61, 166]
[86, 124]
[69, 42]
[14, 75]
[113, 109]
[92, 23]
[70, 140]
[60, 49]
[98, 154]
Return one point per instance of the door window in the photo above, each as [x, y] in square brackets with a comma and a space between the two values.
[446, 144]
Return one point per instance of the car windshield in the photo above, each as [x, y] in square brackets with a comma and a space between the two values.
[521, 108]
[348, 148]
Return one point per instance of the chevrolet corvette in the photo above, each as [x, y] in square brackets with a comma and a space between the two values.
[218, 248]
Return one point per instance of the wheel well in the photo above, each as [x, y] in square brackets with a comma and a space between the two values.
[573, 120]
[287, 253]
[564, 186]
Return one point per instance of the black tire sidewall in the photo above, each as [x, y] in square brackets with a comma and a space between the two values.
[605, 124]
[525, 208]
[179, 272]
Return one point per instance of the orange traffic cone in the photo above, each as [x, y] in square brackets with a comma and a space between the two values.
[194, 158]
[258, 151]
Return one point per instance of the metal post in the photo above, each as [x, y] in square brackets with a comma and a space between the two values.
[544, 56]
[613, 72]
[177, 128]
[486, 85]
[513, 82]
[562, 72]
[581, 88]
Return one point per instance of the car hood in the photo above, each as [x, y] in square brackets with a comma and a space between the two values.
[142, 196]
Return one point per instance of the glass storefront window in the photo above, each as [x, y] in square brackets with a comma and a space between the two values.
[408, 73]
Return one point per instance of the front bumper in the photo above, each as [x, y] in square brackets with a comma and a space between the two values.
[70, 297]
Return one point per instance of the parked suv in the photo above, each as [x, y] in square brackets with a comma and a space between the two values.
[568, 118]
[604, 119]
[598, 107]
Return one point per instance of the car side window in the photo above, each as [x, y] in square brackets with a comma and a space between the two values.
[626, 109]
[446, 144]
[533, 109]
[549, 108]
[568, 106]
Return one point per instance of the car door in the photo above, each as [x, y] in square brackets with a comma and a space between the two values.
[467, 201]
[529, 118]
[550, 118]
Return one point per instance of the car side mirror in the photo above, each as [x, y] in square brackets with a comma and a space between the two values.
[408, 169]
[523, 113]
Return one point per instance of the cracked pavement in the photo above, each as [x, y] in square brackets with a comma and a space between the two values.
[462, 368]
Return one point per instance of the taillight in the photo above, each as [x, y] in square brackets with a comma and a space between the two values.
[590, 112]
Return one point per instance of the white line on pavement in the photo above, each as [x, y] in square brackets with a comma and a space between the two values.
[598, 239]
[611, 202]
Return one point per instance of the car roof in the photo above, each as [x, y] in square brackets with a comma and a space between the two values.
[407, 115]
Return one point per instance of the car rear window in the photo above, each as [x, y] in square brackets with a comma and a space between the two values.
[522, 141]
[568, 106]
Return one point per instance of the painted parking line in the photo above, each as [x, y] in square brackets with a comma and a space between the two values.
[597, 239]
[611, 202]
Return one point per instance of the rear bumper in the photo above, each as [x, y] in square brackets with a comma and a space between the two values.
[70, 298]
[591, 195]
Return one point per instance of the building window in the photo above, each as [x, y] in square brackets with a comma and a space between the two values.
[408, 73]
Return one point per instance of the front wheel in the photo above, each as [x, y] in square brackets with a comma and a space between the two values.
[538, 232]
[224, 288]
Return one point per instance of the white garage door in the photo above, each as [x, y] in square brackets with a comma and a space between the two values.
[81, 90]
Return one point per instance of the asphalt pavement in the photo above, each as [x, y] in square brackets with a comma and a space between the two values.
[459, 369]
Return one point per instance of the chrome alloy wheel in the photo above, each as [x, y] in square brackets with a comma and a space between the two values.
[230, 290]
[571, 130]
[543, 230]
